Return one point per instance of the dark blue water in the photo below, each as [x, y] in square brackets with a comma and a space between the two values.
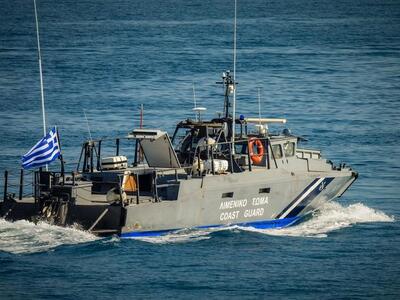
[331, 67]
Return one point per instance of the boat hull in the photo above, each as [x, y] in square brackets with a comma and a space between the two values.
[274, 201]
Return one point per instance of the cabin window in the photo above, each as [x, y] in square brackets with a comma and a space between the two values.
[264, 190]
[181, 139]
[227, 195]
[288, 147]
[277, 151]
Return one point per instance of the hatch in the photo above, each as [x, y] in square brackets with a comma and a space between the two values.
[157, 148]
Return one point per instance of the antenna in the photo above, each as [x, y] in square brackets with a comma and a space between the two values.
[194, 95]
[137, 146]
[194, 99]
[259, 105]
[87, 123]
[197, 110]
[234, 82]
[261, 129]
[141, 115]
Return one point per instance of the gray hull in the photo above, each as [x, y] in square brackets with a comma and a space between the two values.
[262, 198]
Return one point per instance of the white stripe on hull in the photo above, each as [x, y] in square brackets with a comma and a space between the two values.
[302, 197]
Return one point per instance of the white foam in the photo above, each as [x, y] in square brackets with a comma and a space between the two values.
[332, 216]
[184, 235]
[179, 236]
[26, 237]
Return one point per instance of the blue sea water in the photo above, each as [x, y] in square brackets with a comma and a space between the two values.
[331, 67]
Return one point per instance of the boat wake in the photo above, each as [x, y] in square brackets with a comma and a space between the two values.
[332, 216]
[26, 237]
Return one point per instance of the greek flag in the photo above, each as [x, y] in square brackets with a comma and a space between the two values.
[44, 152]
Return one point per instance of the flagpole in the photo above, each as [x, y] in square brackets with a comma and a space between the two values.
[41, 73]
[40, 69]
[61, 157]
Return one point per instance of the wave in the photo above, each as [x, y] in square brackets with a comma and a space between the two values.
[27, 237]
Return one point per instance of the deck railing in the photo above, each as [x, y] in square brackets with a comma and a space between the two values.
[18, 183]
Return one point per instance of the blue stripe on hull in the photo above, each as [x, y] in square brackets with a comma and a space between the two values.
[298, 197]
[307, 200]
[278, 223]
[291, 211]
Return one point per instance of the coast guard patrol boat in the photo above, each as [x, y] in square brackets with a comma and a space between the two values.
[208, 174]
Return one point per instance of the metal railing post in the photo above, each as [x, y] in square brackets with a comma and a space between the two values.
[212, 161]
[249, 158]
[98, 156]
[5, 185]
[91, 158]
[35, 186]
[21, 184]
[137, 189]
[267, 155]
[155, 186]
[231, 155]
[117, 143]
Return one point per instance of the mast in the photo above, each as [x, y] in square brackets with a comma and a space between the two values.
[227, 81]
[40, 70]
[234, 82]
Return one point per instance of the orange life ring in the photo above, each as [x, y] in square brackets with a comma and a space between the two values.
[256, 157]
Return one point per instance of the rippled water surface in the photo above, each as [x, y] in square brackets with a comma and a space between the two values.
[331, 67]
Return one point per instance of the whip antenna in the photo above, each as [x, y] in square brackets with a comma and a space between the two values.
[197, 110]
[234, 82]
[194, 99]
[259, 106]
[141, 116]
